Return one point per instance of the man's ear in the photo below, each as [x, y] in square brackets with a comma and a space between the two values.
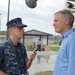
[67, 21]
[11, 30]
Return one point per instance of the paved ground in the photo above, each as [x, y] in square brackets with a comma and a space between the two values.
[43, 65]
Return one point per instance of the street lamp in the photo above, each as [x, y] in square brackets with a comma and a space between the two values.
[31, 3]
[69, 5]
[8, 17]
[72, 0]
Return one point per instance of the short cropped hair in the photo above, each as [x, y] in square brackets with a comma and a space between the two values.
[67, 14]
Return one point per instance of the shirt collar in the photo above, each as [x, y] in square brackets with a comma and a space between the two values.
[67, 33]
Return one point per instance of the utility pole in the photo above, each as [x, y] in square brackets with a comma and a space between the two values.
[8, 17]
[0, 21]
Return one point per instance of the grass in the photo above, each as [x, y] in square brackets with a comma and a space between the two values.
[54, 47]
[44, 73]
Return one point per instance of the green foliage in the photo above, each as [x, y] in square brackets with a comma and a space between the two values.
[44, 73]
[31, 47]
[2, 32]
[54, 47]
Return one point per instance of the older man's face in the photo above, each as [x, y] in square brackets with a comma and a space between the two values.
[59, 24]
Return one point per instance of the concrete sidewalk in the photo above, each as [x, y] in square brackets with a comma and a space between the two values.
[43, 65]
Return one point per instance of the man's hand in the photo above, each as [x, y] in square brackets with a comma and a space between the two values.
[31, 57]
[33, 54]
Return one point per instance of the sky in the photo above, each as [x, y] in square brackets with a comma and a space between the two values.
[39, 18]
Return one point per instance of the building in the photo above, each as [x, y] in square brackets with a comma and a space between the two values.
[31, 37]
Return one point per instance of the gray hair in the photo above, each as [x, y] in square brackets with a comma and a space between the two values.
[67, 14]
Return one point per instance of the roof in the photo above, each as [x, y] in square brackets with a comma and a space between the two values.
[37, 33]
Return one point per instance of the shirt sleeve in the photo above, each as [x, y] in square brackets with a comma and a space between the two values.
[71, 67]
[1, 57]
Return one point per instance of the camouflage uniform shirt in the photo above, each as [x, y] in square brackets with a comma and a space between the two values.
[9, 61]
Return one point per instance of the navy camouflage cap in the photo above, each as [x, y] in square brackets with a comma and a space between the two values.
[17, 22]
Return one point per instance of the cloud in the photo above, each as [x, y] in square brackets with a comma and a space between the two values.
[40, 18]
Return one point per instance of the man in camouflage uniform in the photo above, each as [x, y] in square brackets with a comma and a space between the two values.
[13, 56]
